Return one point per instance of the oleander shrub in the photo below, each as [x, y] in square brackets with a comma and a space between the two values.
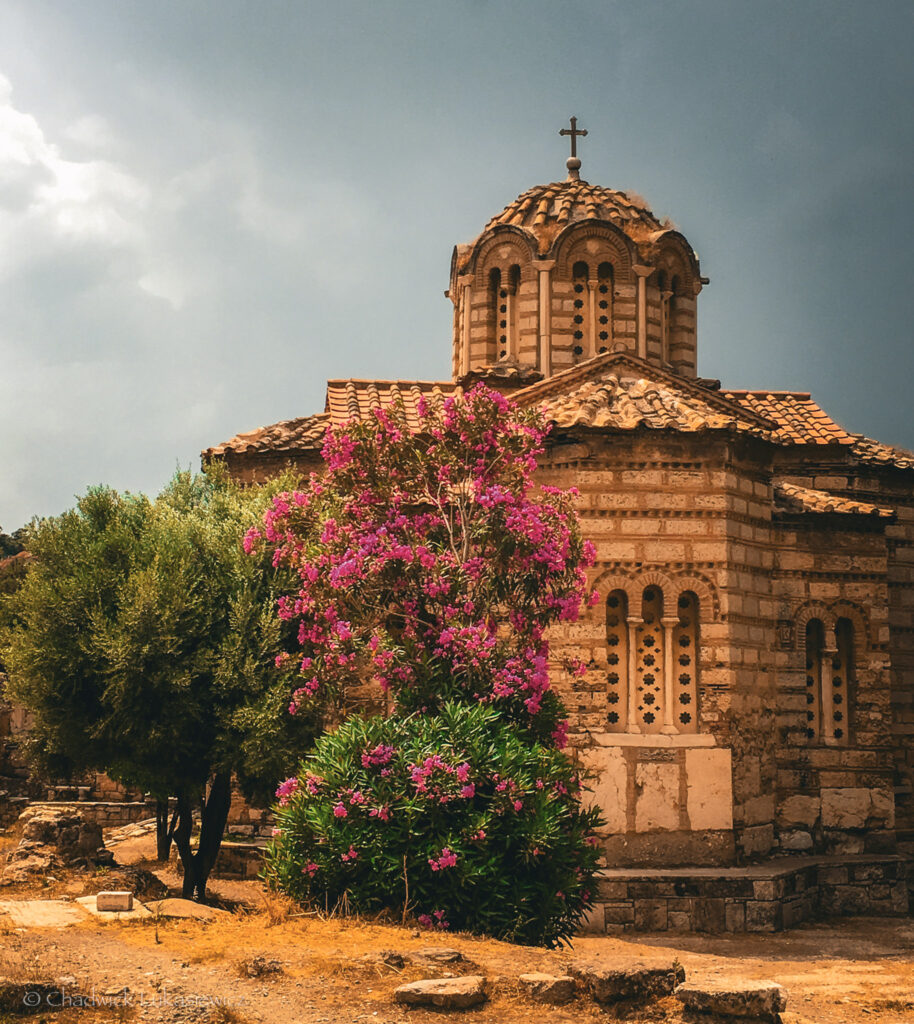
[456, 819]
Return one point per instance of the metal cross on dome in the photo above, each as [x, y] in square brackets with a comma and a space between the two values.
[574, 132]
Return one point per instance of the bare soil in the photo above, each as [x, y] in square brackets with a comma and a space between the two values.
[317, 971]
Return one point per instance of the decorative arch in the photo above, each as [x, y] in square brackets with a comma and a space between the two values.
[617, 247]
[611, 580]
[673, 254]
[523, 247]
[708, 598]
[861, 623]
[811, 610]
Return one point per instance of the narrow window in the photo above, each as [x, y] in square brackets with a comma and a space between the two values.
[497, 316]
[685, 664]
[603, 314]
[815, 644]
[617, 660]
[842, 681]
[649, 680]
[581, 324]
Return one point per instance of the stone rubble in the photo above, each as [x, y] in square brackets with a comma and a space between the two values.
[548, 988]
[611, 983]
[734, 997]
[444, 993]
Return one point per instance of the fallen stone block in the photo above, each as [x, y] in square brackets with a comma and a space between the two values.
[548, 988]
[635, 981]
[734, 997]
[114, 901]
[444, 993]
[40, 913]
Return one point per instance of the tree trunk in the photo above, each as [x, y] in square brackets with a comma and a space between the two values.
[214, 814]
[163, 831]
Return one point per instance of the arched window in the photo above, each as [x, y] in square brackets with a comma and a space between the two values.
[685, 664]
[581, 320]
[497, 333]
[843, 680]
[603, 314]
[617, 660]
[815, 644]
[652, 658]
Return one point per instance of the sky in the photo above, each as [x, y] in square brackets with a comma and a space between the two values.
[207, 209]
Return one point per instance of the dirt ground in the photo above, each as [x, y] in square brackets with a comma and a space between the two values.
[317, 971]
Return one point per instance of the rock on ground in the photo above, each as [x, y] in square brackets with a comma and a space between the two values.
[734, 997]
[548, 988]
[444, 993]
[638, 981]
[40, 913]
[138, 913]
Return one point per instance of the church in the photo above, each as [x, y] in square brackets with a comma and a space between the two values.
[747, 714]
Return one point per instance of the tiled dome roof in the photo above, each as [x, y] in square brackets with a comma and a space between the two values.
[546, 209]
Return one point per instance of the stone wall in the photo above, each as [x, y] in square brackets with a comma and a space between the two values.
[107, 814]
[762, 898]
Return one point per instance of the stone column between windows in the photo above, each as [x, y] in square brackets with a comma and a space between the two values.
[643, 274]
[829, 653]
[669, 623]
[465, 297]
[544, 268]
[592, 317]
[665, 339]
[631, 718]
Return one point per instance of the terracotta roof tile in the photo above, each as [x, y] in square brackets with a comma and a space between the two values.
[546, 209]
[356, 399]
[800, 421]
[302, 434]
[624, 403]
[793, 498]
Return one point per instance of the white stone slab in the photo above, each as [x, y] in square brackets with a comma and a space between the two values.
[114, 901]
[657, 802]
[41, 913]
[608, 786]
[709, 788]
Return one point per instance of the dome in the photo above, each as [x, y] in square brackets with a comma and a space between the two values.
[546, 210]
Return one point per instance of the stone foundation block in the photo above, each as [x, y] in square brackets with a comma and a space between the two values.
[636, 981]
[115, 901]
[548, 988]
[733, 997]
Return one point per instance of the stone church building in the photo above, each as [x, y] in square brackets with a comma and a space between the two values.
[748, 709]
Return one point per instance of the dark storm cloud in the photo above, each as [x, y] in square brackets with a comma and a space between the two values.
[207, 209]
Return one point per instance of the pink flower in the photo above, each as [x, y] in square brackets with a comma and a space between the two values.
[446, 859]
[467, 791]
[518, 805]
[339, 811]
[310, 868]
[286, 790]
[351, 855]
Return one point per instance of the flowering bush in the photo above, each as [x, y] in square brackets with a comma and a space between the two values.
[429, 564]
[457, 817]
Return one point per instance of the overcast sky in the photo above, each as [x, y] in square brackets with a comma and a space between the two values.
[209, 208]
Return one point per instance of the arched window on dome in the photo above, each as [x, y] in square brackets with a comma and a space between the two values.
[830, 681]
[603, 314]
[582, 315]
[494, 333]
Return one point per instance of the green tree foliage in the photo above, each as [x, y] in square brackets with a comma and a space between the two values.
[143, 641]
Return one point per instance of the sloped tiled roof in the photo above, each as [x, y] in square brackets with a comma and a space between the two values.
[547, 209]
[793, 498]
[306, 432]
[800, 421]
[626, 403]
[356, 399]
